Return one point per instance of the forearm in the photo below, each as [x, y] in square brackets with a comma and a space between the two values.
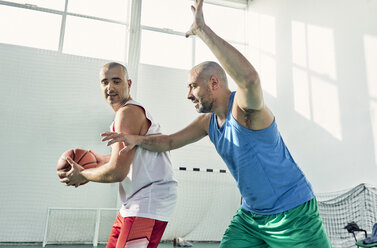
[156, 143]
[235, 64]
[105, 173]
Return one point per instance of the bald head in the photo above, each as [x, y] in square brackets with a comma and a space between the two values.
[112, 65]
[208, 69]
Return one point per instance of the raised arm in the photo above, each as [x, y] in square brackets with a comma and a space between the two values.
[159, 143]
[249, 93]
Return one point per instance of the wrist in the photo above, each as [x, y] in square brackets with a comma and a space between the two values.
[202, 31]
[140, 141]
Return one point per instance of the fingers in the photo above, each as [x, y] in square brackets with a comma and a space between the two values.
[106, 133]
[64, 180]
[188, 34]
[69, 160]
[68, 177]
[67, 182]
[61, 173]
[124, 150]
[115, 139]
[109, 135]
[72, 163]
[193, 9]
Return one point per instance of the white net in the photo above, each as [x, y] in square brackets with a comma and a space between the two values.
[78, 225]
[207, 200]
[337, 209]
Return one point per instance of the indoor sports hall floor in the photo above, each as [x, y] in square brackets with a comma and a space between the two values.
[162, 245]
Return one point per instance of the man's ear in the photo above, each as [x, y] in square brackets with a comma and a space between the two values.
[214, 82]
[129, 82]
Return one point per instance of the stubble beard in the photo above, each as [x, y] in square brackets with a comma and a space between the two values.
[204, 106]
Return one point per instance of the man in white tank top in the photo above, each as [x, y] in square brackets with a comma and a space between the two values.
[147, 188]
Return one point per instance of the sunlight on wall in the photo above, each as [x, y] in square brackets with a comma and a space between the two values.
[301, 92]
[370, 50]
[262, 49]
[299, 47]
[321, 51]
[268, 74]
[314, 76]
[267, 34]
[325, 102]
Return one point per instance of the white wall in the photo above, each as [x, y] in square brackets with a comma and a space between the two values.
[318, 61]
[50, 102]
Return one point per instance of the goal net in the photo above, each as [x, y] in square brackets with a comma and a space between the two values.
[337, 209]
[207, 200]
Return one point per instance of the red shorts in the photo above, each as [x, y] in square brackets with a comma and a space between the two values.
[136, 232]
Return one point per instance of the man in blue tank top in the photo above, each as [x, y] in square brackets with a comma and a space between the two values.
[278, 205]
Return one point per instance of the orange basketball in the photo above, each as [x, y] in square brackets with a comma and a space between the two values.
[83, 157]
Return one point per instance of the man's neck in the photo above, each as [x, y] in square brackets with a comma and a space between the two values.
[222, 105]
[117, 106]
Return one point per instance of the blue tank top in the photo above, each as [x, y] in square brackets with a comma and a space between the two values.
[268, 178]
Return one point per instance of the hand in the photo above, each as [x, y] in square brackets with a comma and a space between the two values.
[73, 177]
[129, 141]
[198, 23]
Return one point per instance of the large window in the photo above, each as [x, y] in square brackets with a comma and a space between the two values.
[34, 29]
[159, 48]
[93, 38]
[164, 24]
[109, 9]
[90, 28]
[100, 29]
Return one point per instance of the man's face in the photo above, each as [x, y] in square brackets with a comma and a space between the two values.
[200, 93]
[114, 85]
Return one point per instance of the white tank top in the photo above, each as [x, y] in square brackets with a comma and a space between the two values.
[149, 190]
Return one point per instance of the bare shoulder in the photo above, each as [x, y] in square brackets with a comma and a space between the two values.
[131, 119]
[203, 121]
[130, 112]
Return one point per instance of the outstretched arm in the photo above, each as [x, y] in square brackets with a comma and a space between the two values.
[249, 93]
[159, 143]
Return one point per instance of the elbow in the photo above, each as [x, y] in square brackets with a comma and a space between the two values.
[253, 79]
[119, 176]
[171, 144]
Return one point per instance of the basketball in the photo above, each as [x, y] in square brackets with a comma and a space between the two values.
[83, 157]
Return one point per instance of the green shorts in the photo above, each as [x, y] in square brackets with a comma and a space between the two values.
[299, 227]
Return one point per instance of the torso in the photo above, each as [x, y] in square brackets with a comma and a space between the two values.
[149, 190]
[252, 148]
